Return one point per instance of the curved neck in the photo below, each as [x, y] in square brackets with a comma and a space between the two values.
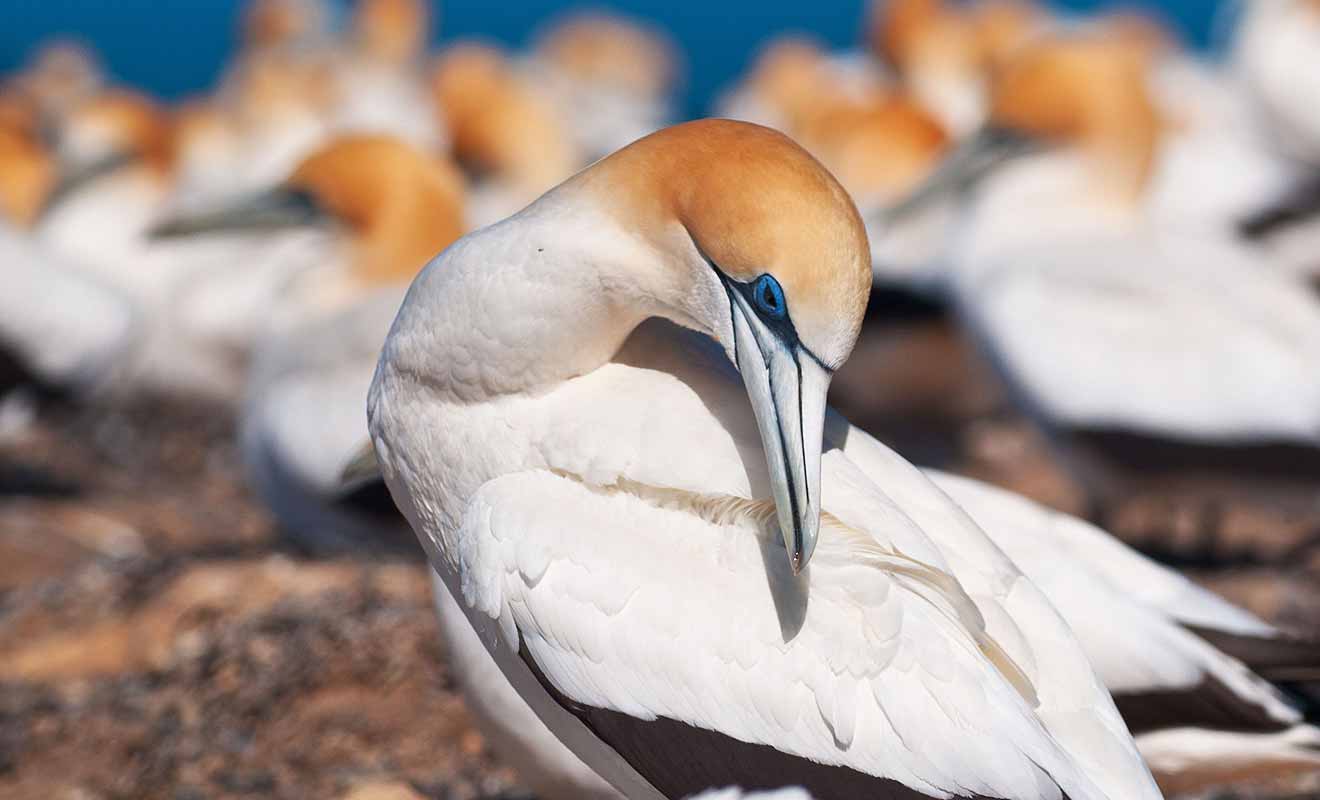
[520, 306]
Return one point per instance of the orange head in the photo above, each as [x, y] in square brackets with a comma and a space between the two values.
[498, 123]
[1086, 91]
[1000, 27]
[280, 23]
[916, 34]
[879, 149]
[753, 202]
[402, 206]
[19, 112]
[269, 87]
[119, 122]
[393, 31]
[610, 51]
[62, 74]
[27, 177]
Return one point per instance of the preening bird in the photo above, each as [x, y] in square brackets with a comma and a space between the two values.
[611, 500]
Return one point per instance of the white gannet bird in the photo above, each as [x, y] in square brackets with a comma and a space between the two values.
[60, 325]
[524, 416]
[1109, 287]
[1201, 718]
[513, 731]
[385, 208]
[504, 131]
[944, 52]
[378, 78]
[794, 79]
[610, 79]
[1276, 56]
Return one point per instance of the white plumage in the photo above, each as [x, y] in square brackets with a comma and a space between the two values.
[601, 515]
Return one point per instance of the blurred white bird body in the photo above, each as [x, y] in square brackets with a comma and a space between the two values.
[517, 465]
[1218, 338]
[356, 219]
[63, 325]
[1277, 57]
[609, 79]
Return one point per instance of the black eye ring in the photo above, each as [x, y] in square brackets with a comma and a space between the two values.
[769, 297]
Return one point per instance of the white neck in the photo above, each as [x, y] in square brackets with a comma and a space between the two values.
[546, 295]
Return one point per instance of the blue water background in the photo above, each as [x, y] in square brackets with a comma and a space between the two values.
[178, 47]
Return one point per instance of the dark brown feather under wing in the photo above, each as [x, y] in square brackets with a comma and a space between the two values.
[680, 760]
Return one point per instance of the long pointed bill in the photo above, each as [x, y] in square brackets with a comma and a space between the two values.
[278, 208]
[960, 169]
[787, 388]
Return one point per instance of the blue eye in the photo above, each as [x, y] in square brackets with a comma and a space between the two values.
[769, 297]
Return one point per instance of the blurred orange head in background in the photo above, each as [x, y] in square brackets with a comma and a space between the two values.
[402, 205]
[279, 23]
[498, 123]
[392, 31]
[27, 176]
[119, 123]
[1085, 90]
[880, 149]
[609, 51]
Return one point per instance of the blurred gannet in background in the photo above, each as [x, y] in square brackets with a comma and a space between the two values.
[58, 325]
[276, 106]
[1277, 61]
[59, 76]
[1110, 287]
[1276, 55]
[386, 208]
[285, 24]
[523, 417]
[504, 132]
[379, 86]
[610, 79]
[944, 52]
[191, 338]
[794, 80]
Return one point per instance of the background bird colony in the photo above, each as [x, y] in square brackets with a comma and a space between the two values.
[1096, 259]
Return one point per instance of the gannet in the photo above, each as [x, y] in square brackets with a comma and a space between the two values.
[187, 339]
[1110, 286]
[1200, 716]
[608, 78]
[1275, 62]
[621, 565]
[60, 325]
[504, 131]
[945, 53]
[1276, 52]
[386, 208]
[379, 86]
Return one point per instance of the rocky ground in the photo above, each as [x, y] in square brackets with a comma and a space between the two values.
[159, 639]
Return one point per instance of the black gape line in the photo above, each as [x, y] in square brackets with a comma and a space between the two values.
[776, 318]
[782, 326]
